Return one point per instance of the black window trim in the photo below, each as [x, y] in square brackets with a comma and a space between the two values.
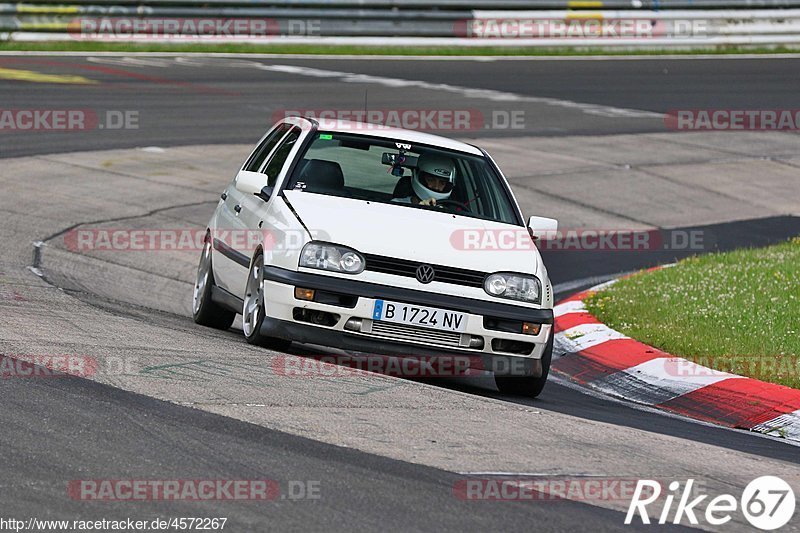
[278, 145]
[261, 143]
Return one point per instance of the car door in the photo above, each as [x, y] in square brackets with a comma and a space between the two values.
[250, 219]
[280, 229]
[231, 257]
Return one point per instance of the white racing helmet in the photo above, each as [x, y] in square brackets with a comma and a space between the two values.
[436, 165]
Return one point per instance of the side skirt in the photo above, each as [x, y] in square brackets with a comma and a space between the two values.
[226, 299]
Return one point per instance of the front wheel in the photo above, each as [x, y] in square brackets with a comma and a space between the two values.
[529, 386]
[204, 310]
[253, 309]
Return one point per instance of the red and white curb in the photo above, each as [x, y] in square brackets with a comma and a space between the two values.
[605, 360]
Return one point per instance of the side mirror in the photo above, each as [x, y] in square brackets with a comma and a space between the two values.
[540, 227]
[250, 182]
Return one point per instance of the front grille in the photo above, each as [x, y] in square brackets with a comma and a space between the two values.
[404, 267]
[403, 333]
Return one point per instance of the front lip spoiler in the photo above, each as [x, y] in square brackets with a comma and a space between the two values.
[366, 347]
[373, 290]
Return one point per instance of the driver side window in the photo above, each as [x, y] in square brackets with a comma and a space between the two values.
[260, 154]
[275, 164]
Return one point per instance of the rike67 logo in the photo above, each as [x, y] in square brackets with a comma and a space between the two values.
[767, 503]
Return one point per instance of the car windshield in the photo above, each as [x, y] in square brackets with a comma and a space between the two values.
[384, 170]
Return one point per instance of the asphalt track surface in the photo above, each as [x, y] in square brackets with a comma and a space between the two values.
[59, 427]
[209, 101]
[55, 429]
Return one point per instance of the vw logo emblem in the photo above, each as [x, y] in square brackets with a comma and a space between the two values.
[425, 273]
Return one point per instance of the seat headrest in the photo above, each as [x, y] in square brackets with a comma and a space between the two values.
[403, 188]
[319, 174]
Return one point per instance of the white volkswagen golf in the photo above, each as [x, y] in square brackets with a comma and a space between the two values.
[374, 240]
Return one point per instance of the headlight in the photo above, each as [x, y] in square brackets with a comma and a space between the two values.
[514, 287]
[331, 257]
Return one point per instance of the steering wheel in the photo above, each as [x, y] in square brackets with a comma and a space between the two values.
[460, 206]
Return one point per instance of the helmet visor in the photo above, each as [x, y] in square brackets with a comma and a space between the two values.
[435, 183]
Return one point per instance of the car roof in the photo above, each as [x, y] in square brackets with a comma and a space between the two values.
[398, 134]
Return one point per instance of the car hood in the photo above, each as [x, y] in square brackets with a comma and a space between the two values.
[416, 234]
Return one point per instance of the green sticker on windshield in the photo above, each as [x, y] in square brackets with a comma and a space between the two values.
[326, 136]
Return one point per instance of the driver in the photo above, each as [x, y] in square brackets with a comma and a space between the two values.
[433, 180]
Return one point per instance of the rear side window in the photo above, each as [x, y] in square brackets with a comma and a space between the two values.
[281, 154]
[260, 154]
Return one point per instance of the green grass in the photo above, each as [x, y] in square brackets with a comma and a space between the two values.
[737, 312]
[80, 46]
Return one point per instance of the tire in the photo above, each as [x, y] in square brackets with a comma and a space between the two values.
[527, 385]
[204, 310]
[253, 312]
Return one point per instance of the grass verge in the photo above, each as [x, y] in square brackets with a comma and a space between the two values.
[737, 312]
[314, 49]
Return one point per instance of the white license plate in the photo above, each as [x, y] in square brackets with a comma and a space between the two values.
[418, 315]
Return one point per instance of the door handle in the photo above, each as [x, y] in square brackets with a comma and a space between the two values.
[237, 208]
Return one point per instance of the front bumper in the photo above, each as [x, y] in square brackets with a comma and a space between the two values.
[281, 310]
